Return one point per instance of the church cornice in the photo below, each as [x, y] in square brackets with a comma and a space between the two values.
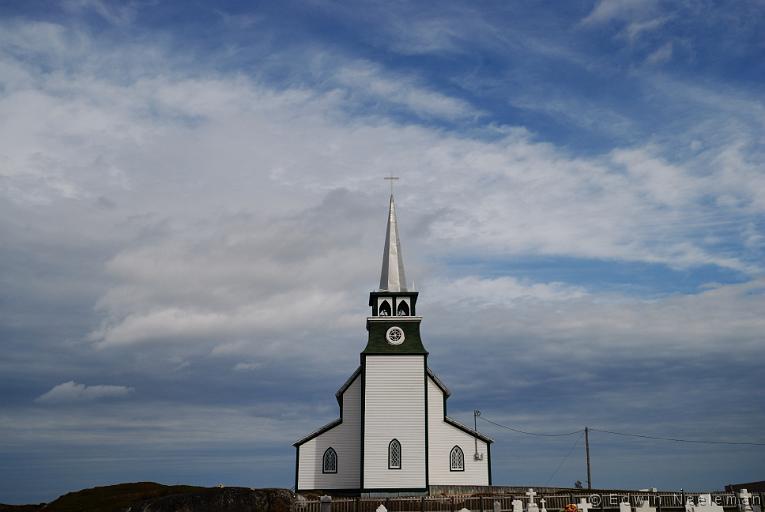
[468, 430]
[452, 421]
[439, 383]
[315, 433]
[394, 319]
[346, 385]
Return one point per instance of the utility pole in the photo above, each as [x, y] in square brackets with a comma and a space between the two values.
[476, 413]
[587, 450]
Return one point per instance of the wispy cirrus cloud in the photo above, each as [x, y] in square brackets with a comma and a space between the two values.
[605, 11]
[71, 391]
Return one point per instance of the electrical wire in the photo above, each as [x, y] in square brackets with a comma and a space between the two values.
[624, 434]
[570, 451]
[675, 439]
[529, 433]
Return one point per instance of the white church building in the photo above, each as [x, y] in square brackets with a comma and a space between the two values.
[393, 434]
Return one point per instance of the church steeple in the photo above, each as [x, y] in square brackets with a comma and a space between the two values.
[394, 326]
[392, 277]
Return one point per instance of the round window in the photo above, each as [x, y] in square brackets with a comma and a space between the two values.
[395, 336]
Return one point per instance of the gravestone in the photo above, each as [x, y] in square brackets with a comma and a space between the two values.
[744, 505]
[497, 506]
[583, 505]
[645, 506]
[542, 502]
[532, 506]
[624, 506]
[381, 508]
[517, 506]
[706, 504]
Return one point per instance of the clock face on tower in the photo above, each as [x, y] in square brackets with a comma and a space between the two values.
[395, 336]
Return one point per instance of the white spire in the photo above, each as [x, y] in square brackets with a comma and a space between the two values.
[392, 277]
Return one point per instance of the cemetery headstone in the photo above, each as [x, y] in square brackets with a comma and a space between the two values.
[583, 505]
[706, 504]
[532, 506]
[645, 506]
[744, 505]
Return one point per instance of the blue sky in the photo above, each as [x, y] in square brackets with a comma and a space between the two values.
[192, 213]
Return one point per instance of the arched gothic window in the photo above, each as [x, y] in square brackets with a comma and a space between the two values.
[456, 459]
[394, 455]
[329, 462]
[403, 309]
[384, 309]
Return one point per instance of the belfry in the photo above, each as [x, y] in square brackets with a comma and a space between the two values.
[393, 434]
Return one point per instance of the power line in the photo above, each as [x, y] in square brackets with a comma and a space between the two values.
[624, 434]
[576, 442]
[530, 433]
[675, 439]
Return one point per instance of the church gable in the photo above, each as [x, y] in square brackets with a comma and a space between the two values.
[329, 458]
[452, 447]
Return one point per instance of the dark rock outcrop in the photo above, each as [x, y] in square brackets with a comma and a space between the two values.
[153, 497]
[225, 499]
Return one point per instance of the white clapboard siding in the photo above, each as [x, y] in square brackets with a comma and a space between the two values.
[442, 437]
[394, 408]
[345, 438]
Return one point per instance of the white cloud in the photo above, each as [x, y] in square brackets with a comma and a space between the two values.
[608, 10]
[74, 392]
[226, 234]
[247, 367]
[364, 79]
[660, 55]
[637, 28]
[225, 237]
[118, 14]
[476, 293]
[171, 425]
[566, 325]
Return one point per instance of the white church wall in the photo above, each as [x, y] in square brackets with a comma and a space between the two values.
[442, 437]
[345, 438]
[394, 409]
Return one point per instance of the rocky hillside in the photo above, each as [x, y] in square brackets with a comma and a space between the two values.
[153, 497]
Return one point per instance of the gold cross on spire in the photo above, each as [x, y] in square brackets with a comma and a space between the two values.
[391, 178]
